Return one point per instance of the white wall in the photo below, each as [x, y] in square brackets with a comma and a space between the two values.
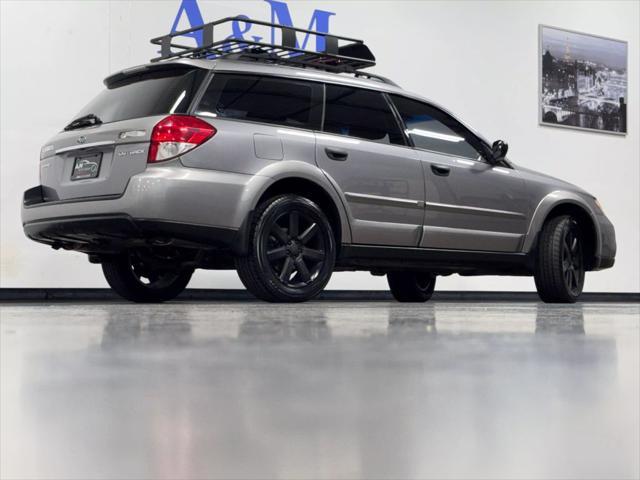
[478, 58]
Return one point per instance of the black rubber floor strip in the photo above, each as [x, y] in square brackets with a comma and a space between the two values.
[9, 295]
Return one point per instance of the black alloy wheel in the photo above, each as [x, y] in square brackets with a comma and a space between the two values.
[141, 276]
[292, 251]
[411, 286]
[560, 265]
[572, 259]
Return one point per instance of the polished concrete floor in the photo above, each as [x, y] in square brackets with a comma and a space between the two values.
[320, 390]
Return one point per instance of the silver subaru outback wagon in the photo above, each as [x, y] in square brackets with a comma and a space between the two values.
[287, 165]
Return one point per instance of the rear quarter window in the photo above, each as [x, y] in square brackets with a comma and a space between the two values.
[146, 94]
[263, 99]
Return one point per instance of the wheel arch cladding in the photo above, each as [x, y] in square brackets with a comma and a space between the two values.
[587, 227]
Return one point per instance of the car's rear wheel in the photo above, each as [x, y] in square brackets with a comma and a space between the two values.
[291, 252]
[411, 286]
[559, 270]
[135, 277]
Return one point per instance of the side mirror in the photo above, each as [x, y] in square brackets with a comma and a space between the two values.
[499, 151]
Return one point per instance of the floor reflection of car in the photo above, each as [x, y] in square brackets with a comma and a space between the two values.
[295, 330]
[124, 330]
[415, 325]
[552, 320]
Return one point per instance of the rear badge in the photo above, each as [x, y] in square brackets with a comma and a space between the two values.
[131, 152]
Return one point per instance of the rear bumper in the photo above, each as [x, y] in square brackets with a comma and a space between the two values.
[113, 233]
[163, 204]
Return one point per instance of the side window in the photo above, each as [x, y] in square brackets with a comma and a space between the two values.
[432, 129]
[263, 99]
[360, 113]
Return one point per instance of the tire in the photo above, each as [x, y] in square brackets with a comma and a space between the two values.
[411, 286]
[559, 268]
[292, 250]
[126, 275]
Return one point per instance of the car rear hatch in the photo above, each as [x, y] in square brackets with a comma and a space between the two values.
[108, 140]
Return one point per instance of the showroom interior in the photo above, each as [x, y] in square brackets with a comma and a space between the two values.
[519, 358]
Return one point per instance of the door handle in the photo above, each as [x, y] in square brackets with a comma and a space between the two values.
[338, 155]
[440, 170]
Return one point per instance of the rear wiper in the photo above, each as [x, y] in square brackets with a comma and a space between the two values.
[84, 121]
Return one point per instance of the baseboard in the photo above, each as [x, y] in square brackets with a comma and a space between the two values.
[9, 295]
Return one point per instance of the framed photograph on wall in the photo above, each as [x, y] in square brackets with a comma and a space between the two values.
[582, 81]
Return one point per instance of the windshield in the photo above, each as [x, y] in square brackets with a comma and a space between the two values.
[144, 95]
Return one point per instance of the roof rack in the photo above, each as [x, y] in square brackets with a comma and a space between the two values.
[349, 57]
[379, 78]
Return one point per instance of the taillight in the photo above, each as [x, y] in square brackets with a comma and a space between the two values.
[177, 134]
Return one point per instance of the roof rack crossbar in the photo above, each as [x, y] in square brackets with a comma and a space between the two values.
[350, 57]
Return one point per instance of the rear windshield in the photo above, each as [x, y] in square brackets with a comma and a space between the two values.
[146, 94]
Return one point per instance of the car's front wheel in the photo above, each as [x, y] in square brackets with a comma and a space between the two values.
[559, 270]
[291, 252]
[411, 286]
[138, 277]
